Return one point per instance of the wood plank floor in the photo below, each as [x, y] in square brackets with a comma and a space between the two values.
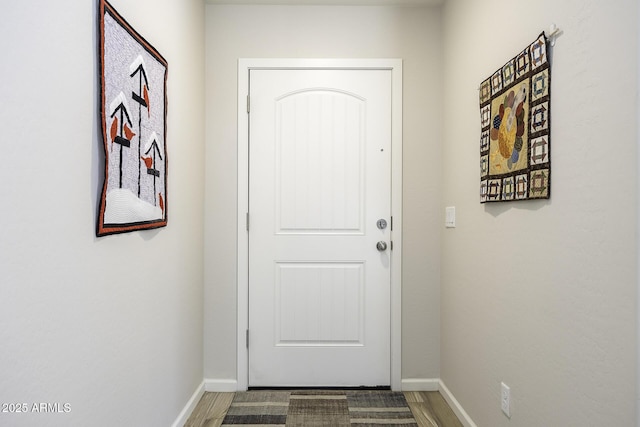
[428, 407]
[211, 410]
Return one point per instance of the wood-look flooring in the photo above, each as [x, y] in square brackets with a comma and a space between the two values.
[210, 410]
[428, 407]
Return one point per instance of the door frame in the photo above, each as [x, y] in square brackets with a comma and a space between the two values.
[244, 67]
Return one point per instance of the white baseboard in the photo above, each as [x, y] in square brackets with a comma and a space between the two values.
[420, 384]
[220, 386]
[457, 408]
[189, 407]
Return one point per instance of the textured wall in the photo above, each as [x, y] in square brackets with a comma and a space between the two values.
[111, 326]
[542, 294]
[411, 33]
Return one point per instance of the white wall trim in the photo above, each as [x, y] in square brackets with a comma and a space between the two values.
[189, 407]
[420, 384]
[220, 386]
[457, 408]
[244, 65]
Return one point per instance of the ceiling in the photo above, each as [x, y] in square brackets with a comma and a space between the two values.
[334, 2]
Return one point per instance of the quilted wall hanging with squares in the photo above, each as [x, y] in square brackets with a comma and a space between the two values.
[133, 106]
[515, 160]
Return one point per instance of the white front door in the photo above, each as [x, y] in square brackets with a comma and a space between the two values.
[319, 184]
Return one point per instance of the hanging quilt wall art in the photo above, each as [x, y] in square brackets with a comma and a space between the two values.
[133, 104]
[515, 160]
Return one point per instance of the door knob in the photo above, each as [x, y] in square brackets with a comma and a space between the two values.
[381, 246]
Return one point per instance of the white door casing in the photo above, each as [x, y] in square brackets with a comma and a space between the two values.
[310, 244]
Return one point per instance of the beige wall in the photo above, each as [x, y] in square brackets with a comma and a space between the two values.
[542, 294]
[410, 33]
[111, 326]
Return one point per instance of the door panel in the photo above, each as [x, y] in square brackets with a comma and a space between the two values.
[319, 303]
[320, 156]
[319, 180]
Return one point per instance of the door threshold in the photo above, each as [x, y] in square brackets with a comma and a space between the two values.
[358, 388]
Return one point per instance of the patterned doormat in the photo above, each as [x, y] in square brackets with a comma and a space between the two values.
[311, 408]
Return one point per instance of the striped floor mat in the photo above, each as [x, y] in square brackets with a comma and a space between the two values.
[311, 408]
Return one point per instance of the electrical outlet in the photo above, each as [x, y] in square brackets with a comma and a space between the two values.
[505, 399]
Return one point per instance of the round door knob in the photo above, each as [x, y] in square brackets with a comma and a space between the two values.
[381, 246]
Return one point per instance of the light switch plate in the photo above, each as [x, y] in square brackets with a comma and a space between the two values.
[450, 217]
